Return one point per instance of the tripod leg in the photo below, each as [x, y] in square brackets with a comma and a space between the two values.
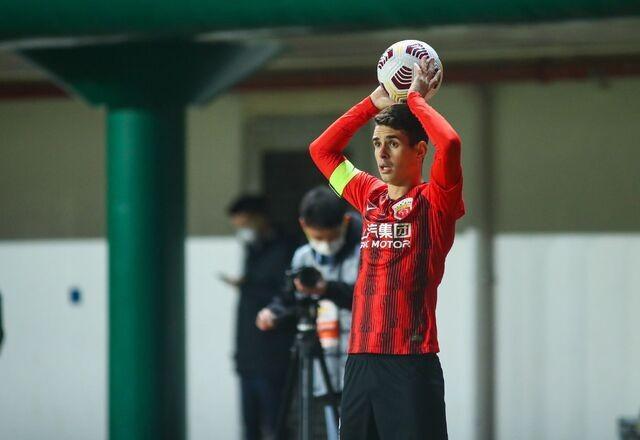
[281, 427]
[305, 391]
[333, 399]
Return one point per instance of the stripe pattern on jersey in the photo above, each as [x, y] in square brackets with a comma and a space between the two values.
[391, 311]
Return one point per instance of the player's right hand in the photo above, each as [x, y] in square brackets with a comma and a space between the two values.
[266, 320]
[380, 98]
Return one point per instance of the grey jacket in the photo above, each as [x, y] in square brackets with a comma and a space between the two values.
[340, 272]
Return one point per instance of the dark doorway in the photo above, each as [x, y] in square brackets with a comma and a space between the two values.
[288, 175]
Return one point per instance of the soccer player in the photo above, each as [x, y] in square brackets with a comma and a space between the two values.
[394, 387]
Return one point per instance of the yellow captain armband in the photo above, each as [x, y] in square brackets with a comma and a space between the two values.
[341, 176]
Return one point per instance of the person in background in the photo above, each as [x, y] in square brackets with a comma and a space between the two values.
[261, 359]
[333, 249]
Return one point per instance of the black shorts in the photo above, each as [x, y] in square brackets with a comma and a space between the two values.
[390, 397]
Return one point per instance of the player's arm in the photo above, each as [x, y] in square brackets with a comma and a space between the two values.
[327, 150]
[446, 169]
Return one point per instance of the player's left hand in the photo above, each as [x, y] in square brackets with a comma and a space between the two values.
[319, 289]
[425, 77]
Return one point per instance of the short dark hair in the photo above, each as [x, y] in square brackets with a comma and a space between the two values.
[321, 208]
[248, 204]
[399, 117]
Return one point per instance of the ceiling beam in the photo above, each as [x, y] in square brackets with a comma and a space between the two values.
[21, 19]
[600, 68]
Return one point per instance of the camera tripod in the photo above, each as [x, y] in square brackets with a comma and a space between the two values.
[304, 351]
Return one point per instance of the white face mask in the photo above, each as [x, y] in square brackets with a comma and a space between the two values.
[328, 248]
[246, 235]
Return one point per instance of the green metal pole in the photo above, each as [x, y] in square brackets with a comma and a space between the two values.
[146, 230]
[145, 86]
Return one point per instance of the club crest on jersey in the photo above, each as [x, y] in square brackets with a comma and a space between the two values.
[402, 208]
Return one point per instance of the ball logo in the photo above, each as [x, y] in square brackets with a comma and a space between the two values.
[402, 208]
[385, 57]
[402, 78]
[417, 50]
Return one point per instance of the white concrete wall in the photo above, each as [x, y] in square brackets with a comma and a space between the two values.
[213, 401]
[567, 356]
[53, 366]
[455, 315]
[568, 345]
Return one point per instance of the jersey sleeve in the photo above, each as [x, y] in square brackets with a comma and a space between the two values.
[448, 200]
[444, 190]
[327, 153]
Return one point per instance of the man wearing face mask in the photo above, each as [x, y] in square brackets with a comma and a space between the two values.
[333, 249]
[261, 358]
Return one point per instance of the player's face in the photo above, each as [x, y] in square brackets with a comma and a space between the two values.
[399, 163]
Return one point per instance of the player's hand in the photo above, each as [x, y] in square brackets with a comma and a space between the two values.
[266, 320]
[380, 98]
[319, 289]
[425, 77]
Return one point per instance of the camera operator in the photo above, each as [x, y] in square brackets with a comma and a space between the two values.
[333, 249]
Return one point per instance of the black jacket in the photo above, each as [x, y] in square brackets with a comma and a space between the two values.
[264, 267]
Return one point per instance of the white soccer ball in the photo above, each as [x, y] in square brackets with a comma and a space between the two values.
[395, 68]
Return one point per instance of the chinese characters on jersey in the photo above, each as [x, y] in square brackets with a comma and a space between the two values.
[386, 236]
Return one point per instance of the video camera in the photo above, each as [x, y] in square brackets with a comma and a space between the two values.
[306, 305]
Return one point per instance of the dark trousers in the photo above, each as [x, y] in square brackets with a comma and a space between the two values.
[261, 400]
[393, 397]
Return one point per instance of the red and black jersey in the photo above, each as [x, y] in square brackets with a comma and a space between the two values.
[404, 242]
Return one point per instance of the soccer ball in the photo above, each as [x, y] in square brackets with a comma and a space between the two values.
[395, 68]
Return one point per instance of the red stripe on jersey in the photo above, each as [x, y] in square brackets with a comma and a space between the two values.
[402, 262]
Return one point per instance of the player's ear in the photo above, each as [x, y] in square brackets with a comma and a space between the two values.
[421, 149]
